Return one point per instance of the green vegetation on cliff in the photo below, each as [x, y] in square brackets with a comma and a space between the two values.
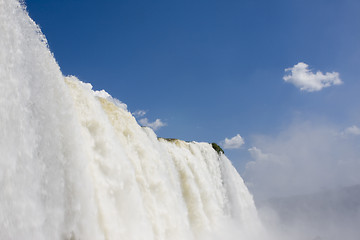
[217, 148]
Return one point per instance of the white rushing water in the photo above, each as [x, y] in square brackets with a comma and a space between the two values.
[75, 164]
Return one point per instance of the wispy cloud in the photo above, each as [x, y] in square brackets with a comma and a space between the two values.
[233, 143]
[157, 124]
[139, 113]
[303, 78]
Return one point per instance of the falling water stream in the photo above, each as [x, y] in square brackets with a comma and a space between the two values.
[75, 164]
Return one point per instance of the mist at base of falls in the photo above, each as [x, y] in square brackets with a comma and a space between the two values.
[75, 164]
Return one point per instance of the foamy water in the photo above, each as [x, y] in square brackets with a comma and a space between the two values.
[75, 164]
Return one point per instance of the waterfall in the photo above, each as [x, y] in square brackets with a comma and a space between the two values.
[75, 164]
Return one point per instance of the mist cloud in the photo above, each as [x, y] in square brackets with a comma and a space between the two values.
[303, 158]
[308, 81]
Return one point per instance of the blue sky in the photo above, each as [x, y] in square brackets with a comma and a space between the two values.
[213, 69]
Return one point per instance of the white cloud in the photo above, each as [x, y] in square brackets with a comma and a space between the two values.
[353, 130]
[235, 142]
[308, 81]
[139, 113]
[157, 124]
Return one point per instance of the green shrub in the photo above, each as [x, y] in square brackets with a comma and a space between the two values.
[217, 148]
